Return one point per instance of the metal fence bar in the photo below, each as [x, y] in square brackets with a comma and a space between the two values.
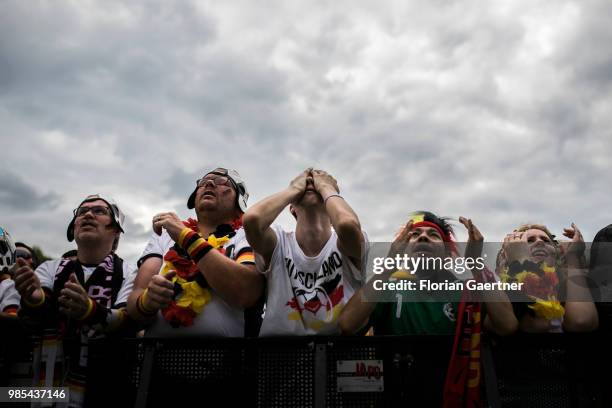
[145, 376]
[320, 373]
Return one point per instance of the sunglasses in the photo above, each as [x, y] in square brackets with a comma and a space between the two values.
[97, 210]
[22, 254]
[217, 181]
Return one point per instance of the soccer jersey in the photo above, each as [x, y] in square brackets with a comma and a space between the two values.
[218, 318]
[414, 318]
[305, 295]
[47, 271]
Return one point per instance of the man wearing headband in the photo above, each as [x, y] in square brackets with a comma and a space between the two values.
[195, 276]
[428, 236]
[81, 298]
[454, 371]
[312, 272]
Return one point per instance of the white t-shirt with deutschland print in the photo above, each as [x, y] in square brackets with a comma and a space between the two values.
[305, 295]
[218, 318]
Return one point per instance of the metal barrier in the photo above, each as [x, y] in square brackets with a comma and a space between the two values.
[552, 370]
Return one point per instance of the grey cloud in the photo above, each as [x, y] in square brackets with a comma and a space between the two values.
[17, 195]
[418, 105]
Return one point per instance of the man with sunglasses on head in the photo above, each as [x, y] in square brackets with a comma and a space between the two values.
[194, 276]
[82, 298]
[310, 273]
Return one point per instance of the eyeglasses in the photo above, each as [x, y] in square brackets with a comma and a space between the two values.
[97, 210]
[217, 180]
[20, 253]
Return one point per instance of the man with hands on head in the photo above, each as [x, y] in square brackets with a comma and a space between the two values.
[312, 272]
[197, 277]
[83, 297]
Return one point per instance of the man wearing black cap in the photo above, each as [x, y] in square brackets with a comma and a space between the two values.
[197, 272]
[80, 298]
[312, 272]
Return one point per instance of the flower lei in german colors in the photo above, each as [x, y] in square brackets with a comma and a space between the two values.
[540, 284]
[191, 291]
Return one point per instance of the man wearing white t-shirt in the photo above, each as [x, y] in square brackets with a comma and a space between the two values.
[81, 298]
[194, 275]
[311, 273]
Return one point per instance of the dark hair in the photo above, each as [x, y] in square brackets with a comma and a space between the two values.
[442, 222]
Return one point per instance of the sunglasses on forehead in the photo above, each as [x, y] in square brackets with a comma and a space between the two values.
[20, 253]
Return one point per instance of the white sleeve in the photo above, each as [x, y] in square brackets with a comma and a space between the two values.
[157, 247]
[129, 274]
[8, 294]
[280, 242]
[46, 273]
[243, 253]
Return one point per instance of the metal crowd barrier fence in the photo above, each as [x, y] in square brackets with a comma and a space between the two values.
[551, 370]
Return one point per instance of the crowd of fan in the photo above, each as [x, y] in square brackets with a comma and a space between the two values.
[231, 272]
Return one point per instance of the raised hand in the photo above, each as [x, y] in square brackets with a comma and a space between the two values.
[400, 243]
[73, 300]
[324, 183]
[574, 248]
[299, 183]
[515, 247]
[475, 240]
[27, 283]
[159, 292]
[170, 222]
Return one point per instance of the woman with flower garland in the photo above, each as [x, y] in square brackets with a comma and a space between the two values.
[551, 272]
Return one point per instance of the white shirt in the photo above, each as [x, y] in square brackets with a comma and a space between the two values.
[47, 270]
[218, 318]
[8, 294]
[305, 295]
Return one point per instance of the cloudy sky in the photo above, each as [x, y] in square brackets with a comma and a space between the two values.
[496, 110]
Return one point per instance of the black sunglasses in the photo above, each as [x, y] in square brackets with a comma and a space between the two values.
[20, 253]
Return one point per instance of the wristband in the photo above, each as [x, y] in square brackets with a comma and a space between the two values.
[196, 246]
[42, 300]
[91, 306]
[142, 309]
[330, 196]
[199, 249]
[184, 232]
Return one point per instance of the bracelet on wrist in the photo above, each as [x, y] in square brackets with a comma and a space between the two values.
[142, 309]
[37, 304]
[330, 196]
[91, 306]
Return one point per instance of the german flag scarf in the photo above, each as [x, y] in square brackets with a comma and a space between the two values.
[463, 379]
